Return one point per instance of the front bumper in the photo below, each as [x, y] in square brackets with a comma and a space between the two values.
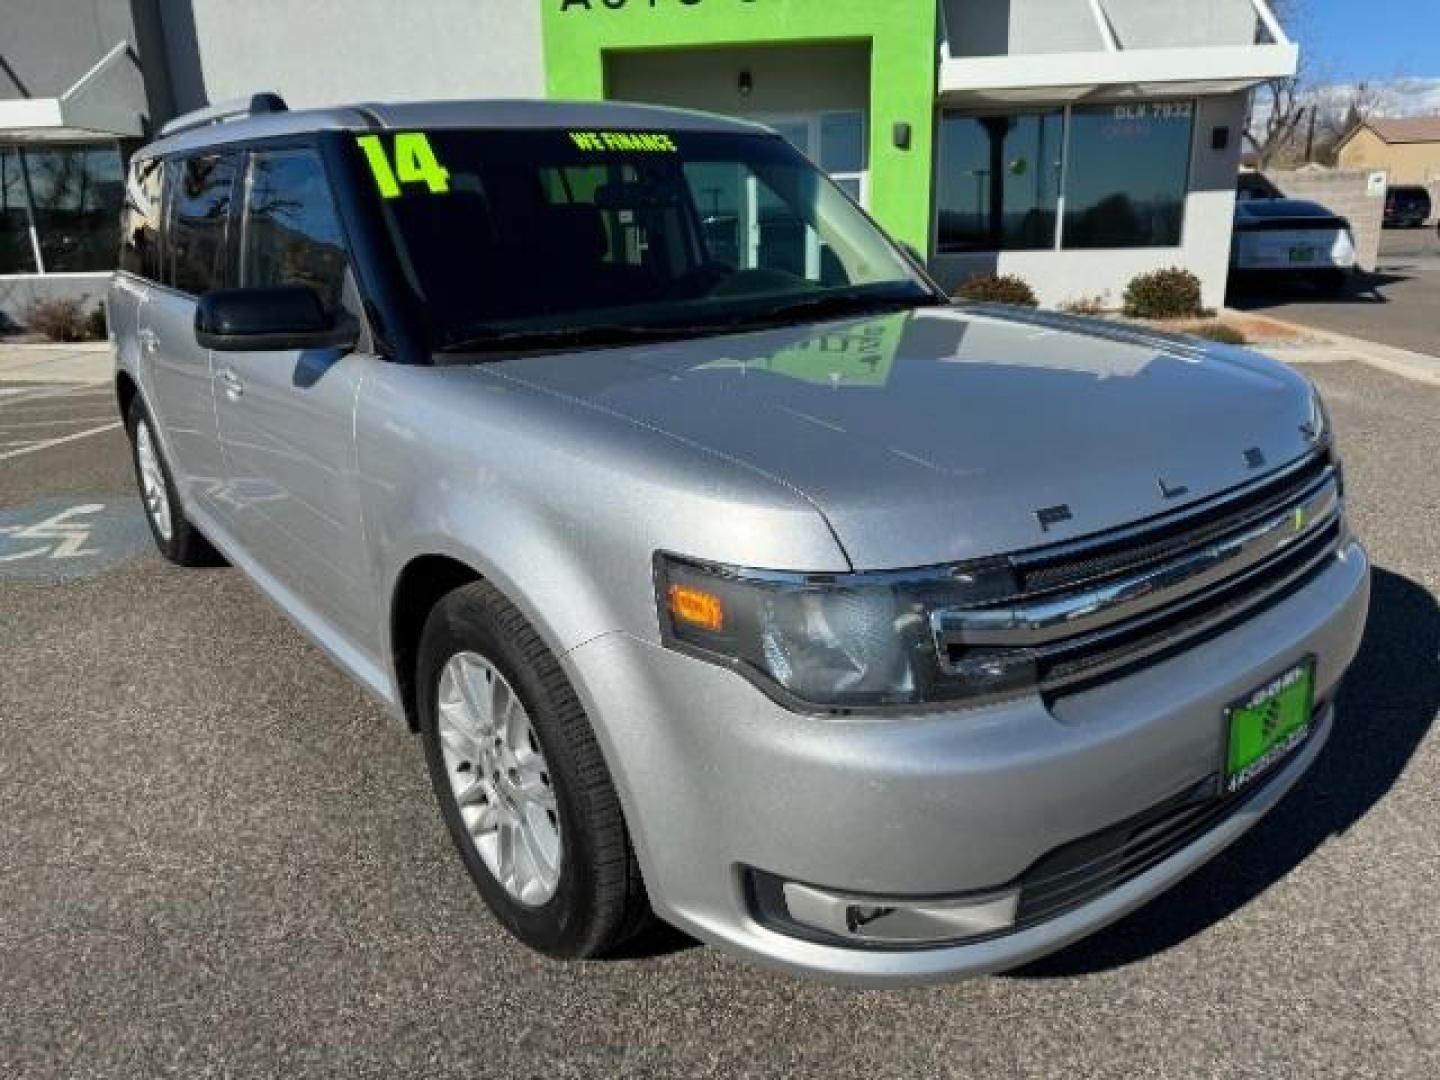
[717, 779]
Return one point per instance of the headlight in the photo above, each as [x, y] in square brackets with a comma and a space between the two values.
[834, 640]
[1317, 424]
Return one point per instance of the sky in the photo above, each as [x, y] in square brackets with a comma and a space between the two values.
[1378, 40]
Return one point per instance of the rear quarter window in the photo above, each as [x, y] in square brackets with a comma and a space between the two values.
[140, 220]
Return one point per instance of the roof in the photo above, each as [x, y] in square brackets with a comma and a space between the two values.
[1413, 129]
[509, 113]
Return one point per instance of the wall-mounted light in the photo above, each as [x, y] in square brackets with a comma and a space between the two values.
[1219, 138]
[746, 83]
[900, 135]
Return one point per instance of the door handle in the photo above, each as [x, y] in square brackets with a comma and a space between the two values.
[233, 386]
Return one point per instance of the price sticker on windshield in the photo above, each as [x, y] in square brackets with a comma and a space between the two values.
[644, 142]
[407, 165]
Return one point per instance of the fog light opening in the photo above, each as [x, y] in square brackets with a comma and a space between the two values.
[873, 920]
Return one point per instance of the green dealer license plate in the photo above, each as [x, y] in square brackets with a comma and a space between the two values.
[1266, 725]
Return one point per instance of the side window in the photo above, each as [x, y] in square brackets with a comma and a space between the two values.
[291, 234]
[140, 220]
[201, 189]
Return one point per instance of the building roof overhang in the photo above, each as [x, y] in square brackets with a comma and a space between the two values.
[1118, 74]
[76, 114]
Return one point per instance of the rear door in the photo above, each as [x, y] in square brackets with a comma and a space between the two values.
[199, 193]
[286, 415]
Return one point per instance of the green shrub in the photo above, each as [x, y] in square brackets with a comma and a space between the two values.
[997, 289]
[64, 318]
[1218, 331]
[1172, 293]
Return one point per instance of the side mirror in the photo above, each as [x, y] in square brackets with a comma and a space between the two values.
[269, 319]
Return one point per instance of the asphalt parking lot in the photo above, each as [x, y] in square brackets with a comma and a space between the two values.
[221, 859]
[1398, 304]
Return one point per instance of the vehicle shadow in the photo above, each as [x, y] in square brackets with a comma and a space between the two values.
[1385, 706]
[1364, 288]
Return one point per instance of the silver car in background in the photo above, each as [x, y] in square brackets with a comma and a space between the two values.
[730, 574]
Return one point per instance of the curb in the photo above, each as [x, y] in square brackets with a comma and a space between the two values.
[1418, 367]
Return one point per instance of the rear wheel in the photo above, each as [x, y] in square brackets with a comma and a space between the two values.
[178, 540]
[520, 780]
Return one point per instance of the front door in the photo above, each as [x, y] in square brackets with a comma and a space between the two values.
[285, 416]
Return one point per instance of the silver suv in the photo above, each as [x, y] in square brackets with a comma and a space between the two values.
[726, 569]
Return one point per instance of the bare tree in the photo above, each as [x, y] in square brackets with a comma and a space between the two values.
[1281, 110]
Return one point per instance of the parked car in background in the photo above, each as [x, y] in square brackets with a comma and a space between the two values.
[1280, 239]
[1407, 206]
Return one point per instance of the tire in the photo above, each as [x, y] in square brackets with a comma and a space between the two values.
[178, 540]
[594, 900]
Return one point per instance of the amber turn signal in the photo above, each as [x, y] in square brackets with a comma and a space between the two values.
[696, 607]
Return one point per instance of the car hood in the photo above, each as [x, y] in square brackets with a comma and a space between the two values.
[945, 433]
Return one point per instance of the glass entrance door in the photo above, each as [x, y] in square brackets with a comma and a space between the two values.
[835, 140]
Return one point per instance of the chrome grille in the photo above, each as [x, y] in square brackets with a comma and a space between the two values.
[1092, 608]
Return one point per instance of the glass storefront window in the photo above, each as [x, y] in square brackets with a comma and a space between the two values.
[999, 181]
[77, 193]
[74, 193]
[1125, 171]
[17, 255]
[1127, 175]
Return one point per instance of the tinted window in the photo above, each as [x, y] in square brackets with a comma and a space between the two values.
[291, 236]
[200, 192]
[140, 221]
[77, 192]
[999, 181]
[537, 230]
[17, 256]
[1127, 174]
[1283, 208]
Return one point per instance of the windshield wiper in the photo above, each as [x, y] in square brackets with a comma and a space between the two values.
[510, 339]
[831, 304]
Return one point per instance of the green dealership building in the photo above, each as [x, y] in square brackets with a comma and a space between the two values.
[1073, 142]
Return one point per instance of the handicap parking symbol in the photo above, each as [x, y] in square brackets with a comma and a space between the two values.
[62, 539]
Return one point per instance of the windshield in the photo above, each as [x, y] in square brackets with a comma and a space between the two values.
[517, 237]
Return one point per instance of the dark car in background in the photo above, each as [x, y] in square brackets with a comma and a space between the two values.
[1407, 206]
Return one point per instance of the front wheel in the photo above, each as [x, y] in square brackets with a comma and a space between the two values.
[522, 786]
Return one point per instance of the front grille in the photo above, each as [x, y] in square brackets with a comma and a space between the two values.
[1183, 625]
[1069, 565]
[1092, 609]
[1084, 869]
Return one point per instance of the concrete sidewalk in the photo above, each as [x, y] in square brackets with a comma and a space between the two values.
[1314, 346]
[82, 362]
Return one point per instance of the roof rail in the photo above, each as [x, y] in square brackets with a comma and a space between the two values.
[225, 110]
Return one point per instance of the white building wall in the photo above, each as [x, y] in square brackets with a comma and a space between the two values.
[326, 52]
[1059, 276]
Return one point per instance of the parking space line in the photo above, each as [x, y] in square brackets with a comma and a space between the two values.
[45, 445]
[10, 425]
